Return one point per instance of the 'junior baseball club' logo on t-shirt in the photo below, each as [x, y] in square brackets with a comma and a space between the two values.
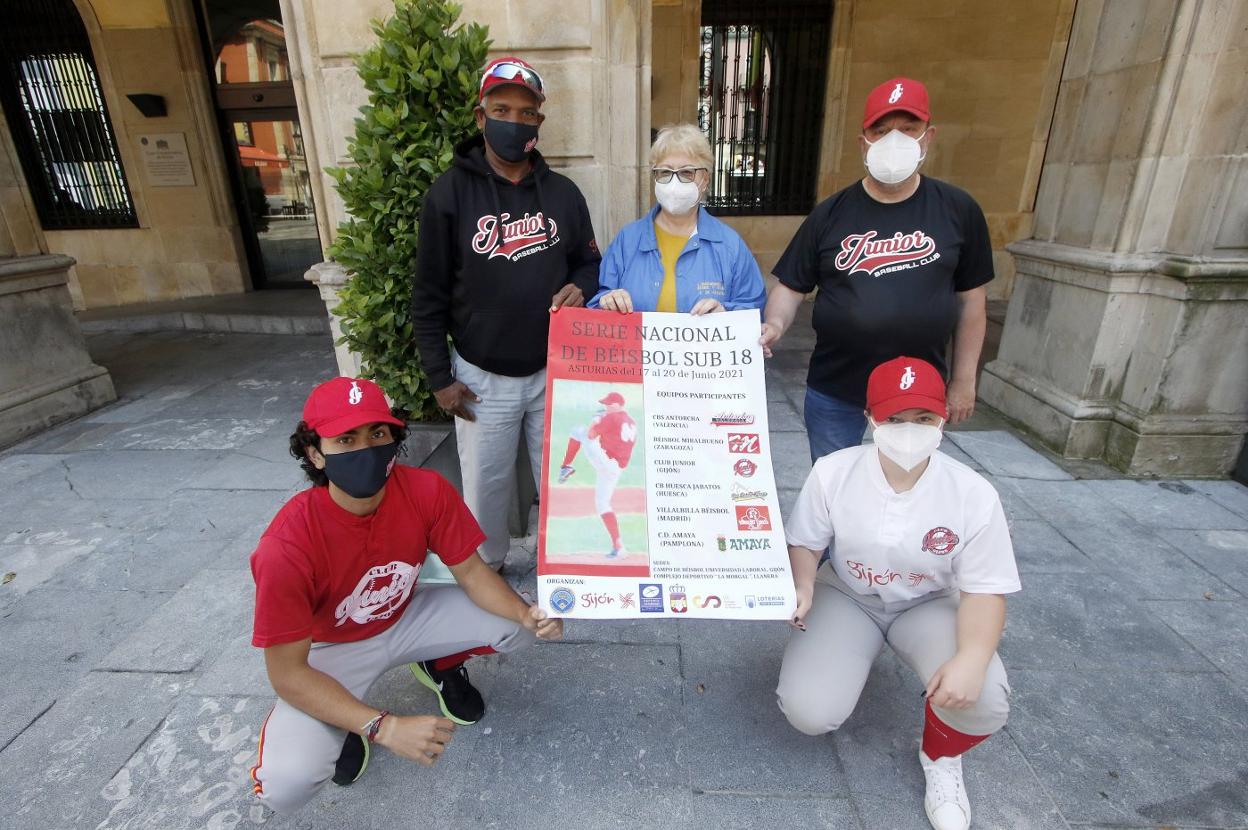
[876, 257]
[380, 593]
[940, 541]
[517, 237]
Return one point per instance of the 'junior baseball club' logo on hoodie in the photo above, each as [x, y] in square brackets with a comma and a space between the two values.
[528, 233]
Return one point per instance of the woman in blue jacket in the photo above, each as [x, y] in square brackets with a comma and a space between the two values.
[678, 257]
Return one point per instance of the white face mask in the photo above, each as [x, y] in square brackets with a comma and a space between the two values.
[677, 197]
[895, 157]
[907, 444]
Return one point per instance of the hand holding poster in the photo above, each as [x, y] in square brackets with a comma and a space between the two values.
[657, 495]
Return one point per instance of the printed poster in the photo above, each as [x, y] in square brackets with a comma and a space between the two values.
[658, 497]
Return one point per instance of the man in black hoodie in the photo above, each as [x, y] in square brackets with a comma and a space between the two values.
[504, 242]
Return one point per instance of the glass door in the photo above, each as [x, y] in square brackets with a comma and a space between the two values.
[273, 185]
[277, 188]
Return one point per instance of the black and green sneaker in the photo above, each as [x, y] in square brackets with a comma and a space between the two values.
[352, 761]
[457, 697]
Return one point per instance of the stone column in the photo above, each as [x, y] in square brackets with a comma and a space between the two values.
[1127, 332]
[46, 375]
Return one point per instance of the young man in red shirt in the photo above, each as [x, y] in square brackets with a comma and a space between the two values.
[337, 603]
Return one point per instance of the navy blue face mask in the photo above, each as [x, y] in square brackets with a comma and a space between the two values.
[362, 473]
[512, 141]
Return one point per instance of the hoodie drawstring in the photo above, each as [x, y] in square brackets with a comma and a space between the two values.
[537, 183]
[498, 206]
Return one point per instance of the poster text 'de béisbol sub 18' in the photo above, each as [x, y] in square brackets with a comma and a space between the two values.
[657, 495]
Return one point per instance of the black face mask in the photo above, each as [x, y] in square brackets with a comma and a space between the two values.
[362, 473]
[510, 140]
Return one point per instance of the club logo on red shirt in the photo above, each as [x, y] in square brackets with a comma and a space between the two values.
[526, 233]
[940, 541]
[380, 594]
[863, 252]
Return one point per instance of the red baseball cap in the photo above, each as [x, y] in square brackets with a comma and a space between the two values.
[342, 404]
[905, 383]
[903, 94]
[612, 397]
[510, 70]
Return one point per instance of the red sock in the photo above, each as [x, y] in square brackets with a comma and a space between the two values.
[613, 528]
[940, 740]
[573, 447]
[452, 660]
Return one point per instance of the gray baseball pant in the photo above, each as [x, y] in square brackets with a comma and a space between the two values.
[297, 752]
[487, 447]
[825, 667]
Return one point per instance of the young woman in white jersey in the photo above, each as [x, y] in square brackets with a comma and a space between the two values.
[919, 557]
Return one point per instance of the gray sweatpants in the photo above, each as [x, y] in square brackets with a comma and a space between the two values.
[297, 751]
[826, 666]
[487, 447]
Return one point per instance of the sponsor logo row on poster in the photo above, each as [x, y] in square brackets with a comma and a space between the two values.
[654, 598]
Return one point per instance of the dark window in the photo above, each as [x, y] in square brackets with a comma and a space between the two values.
[51, 96]
[760, 103]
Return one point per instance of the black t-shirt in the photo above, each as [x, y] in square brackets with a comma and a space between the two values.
[887, 276]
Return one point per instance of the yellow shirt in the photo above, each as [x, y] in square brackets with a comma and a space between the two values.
[670, 246]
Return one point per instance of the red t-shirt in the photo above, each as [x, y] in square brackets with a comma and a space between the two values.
[617, 435]
[325, 573]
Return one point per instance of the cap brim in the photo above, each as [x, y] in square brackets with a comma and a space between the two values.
[890, 407]
[915, 111]
[346, 423]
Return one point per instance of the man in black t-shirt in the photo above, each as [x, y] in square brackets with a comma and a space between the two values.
[901, 262]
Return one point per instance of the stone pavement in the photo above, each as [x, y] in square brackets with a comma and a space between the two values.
[132, 699]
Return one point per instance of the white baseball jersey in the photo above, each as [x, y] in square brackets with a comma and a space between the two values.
[947, 533]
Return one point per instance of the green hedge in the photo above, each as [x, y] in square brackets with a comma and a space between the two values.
[421, 78]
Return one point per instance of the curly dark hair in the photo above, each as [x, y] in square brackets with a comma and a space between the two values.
[304, 436]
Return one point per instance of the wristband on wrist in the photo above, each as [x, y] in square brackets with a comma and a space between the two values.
[369, 730]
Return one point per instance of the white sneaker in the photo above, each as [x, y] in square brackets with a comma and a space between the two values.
[946, 803]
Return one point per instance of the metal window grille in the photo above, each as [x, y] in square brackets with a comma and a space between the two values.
[51, 96]
[761, 99]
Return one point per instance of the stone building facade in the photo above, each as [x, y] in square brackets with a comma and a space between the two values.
[1105, 139]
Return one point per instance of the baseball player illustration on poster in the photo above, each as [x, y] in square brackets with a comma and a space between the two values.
[597, 504]
[608, 445]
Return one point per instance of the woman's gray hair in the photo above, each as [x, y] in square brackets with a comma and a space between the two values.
[685, 139]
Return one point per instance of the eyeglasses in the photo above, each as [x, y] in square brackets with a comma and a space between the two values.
[509, 71]
[663, 175]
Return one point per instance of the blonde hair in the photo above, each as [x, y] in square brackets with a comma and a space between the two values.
[682, 138]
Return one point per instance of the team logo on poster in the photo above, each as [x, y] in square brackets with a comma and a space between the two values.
[745, 468]
[562, 600]
[740, 493]
[679, 602]
[744, 442]
[732, 419]
[753, 518]
[940, 541]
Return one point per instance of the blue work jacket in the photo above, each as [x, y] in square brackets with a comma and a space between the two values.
[714, 263]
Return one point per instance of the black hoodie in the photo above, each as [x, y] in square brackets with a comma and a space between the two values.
[491, 292]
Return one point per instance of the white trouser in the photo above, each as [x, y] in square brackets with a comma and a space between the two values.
[487, 447]
[297, 751]
[825, 667]
[606, 469]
